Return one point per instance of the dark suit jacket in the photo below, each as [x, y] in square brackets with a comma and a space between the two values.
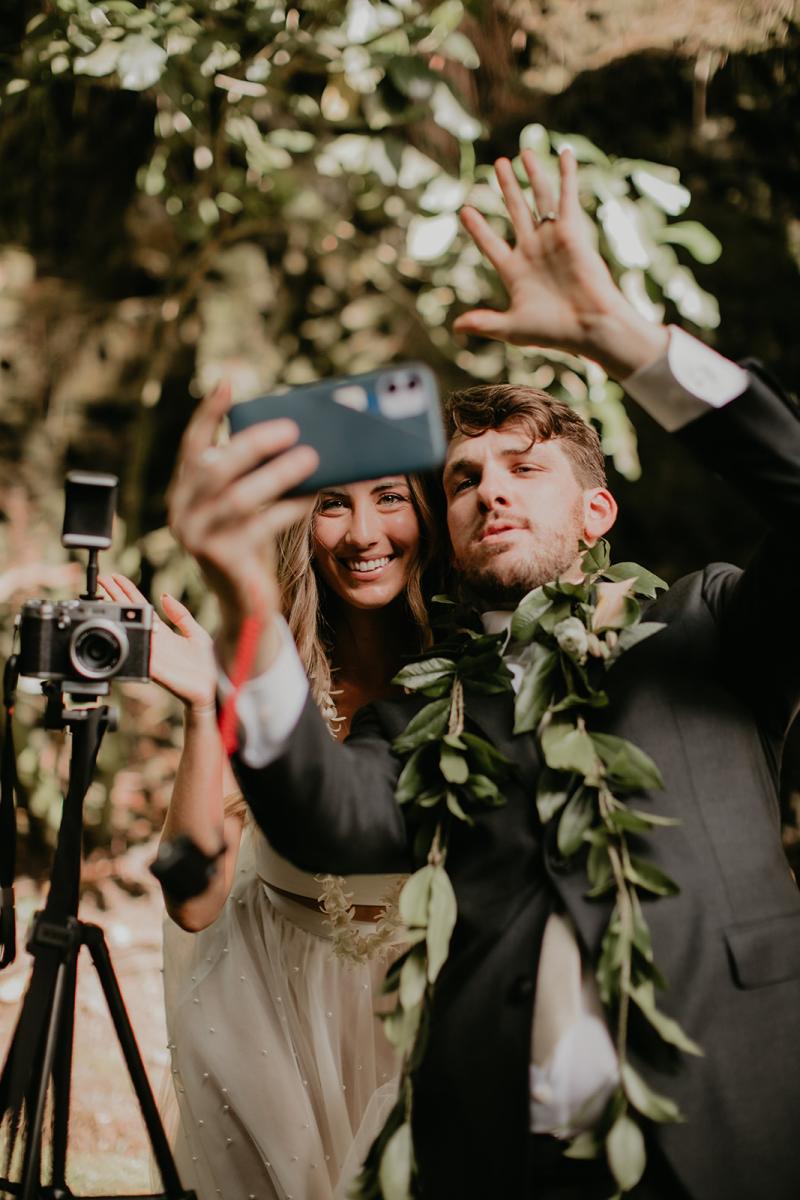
[709, 698]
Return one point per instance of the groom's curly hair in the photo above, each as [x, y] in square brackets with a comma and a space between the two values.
[472, 411]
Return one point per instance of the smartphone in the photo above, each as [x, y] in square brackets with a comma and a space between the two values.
[385, 422]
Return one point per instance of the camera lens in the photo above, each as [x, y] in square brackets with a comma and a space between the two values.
[98, 649]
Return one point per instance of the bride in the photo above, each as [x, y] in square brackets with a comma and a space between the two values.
[281, 1071]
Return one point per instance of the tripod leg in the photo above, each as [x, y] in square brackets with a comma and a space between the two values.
[31, 1163]
[93, 937]
[62, 1082]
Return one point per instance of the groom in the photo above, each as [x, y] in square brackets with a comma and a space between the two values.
[709, 698]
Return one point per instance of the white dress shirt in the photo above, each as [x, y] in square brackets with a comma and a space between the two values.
[574, 1066]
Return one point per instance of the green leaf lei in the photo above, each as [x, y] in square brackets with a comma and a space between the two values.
[566, 636]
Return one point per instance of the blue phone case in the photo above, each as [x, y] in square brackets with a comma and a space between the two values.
[385, 422]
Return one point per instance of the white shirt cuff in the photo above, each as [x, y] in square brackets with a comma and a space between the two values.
[686, 382]
[269, 706]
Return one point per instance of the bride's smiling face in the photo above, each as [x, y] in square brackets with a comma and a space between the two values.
[366, 538]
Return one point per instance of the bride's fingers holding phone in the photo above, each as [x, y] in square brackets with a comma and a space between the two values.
[202, 429]
[266, 483]
[225, 485]
[274, 518]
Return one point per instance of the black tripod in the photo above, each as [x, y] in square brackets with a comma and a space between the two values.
[40, 1052]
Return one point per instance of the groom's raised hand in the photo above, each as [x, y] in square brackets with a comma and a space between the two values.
[560, 292]
[227, 503]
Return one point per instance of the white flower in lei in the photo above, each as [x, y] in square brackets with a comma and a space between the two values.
[349, 943]
[566, 636]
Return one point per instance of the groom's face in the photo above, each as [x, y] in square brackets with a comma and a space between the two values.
[515, 511]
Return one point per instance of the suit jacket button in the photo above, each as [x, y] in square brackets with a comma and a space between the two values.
[521, 989]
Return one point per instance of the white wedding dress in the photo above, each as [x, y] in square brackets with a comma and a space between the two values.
[281, 1071]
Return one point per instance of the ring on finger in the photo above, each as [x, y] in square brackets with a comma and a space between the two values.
[548, 216]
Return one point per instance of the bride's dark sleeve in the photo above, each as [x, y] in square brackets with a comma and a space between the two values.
[754, 443]
[330, 806]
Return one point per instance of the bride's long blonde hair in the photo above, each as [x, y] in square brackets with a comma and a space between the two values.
[303, 597]
[303, 605]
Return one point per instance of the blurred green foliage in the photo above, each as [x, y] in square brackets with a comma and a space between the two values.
[295, 216]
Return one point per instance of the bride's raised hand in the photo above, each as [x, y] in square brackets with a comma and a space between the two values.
[560, 292]
[183, 661]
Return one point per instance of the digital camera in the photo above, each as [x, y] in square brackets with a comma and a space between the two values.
[85, 641]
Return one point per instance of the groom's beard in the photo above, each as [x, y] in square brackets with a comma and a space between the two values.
[501, 581]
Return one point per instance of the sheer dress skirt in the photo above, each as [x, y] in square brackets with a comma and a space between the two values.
[280, 1069]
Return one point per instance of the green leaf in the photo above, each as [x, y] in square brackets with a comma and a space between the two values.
[596, 558]
[647, 584]
[641, 932]
[430, 798]
[413, 980]
[442, 913]
[551, 794]
[415, 897]
[458, 47]
[626, 1153]
[527, 615]
[536, 691]
[429, 724]
[400, 1027]
[397, 1164]
[566, 748]
[633, 820]
[667, 1028]
[651, 878]
[411, 782]
[366, 1185]
[413, 77]
[694, 237]
[419, 675]
[555, 613]
[634, 634]
[491, 685]
[626, 765]
[584, 1146]
[584, 150]
[485, 756]
[649, 1103]
[453, 765]
[455, 808]
[484, 788]
[575, 820]
[447, 16]
[573, 700]
[598, 870]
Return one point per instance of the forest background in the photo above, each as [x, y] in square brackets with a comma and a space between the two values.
[267, 192]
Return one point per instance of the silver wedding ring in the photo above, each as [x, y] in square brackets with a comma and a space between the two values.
[548, 216]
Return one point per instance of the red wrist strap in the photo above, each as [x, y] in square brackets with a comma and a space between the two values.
[246, 649]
